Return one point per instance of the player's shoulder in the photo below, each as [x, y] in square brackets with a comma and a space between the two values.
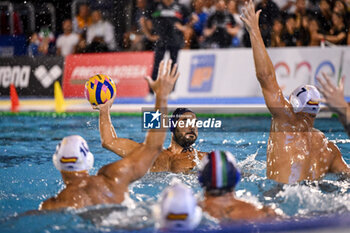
[324, 140]
[93, 180]
[68, 192]
[317, 131]
[244, 204]
[319, 134]
[165, 153]
[201, 154]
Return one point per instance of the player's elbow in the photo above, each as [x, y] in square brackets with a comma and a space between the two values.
[106, 143]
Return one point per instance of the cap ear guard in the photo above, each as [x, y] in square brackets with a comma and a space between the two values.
[305, 99]
[73, 154]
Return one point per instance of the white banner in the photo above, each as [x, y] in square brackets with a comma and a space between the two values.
[231, 73]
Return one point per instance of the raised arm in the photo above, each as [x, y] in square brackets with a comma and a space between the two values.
[334, 98]
[141, 159]
[109, 138]
[265, 71]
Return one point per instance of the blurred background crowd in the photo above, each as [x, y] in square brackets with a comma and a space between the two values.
[81, 26]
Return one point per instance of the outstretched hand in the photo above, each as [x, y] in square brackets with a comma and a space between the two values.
[166, 79]
[333, 96]
[106, 105]
[249, 17]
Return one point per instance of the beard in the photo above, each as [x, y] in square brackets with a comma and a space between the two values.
[183, 141]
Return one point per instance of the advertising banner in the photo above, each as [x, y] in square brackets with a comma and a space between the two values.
[231, 72]
[30, 76]
[127, 69]
[13, 45]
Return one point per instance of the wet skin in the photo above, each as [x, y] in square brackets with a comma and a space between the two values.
[176, 158]
[227, 207]
[112, 180]
[296, 151]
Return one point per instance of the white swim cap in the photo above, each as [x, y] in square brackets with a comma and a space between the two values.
[305, 99]
[72, 154]
[177, 210]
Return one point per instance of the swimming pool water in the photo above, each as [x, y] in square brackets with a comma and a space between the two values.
[28, 176]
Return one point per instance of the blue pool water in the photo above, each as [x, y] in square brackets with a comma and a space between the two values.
[28, 176]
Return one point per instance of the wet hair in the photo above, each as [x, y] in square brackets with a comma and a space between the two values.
[176, 115]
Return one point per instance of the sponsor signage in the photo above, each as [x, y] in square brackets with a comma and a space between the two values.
[126, 69]
[13, 45]
[30, 76]
[202, 72]
[230, 73]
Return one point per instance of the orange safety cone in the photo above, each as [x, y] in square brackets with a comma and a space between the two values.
[14, 99]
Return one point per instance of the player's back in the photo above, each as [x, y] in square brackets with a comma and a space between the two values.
[236, 210]
[88, 191]
[296, 152]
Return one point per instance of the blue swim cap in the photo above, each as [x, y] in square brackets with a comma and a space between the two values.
[218, 172]
[176, 115]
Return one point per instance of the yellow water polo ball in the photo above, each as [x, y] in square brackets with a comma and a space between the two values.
[99, 89]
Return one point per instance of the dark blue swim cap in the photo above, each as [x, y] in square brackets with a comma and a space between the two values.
[176, 115]
[219, 172]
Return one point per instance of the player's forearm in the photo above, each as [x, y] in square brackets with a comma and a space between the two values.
[155, 137]
[153, 144]
[107, 131]
[263, 66]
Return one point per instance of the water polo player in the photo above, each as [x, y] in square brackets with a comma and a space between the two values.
[295, 151]
[219, 175]
[73, 159]
[177, 209]
[178, 157]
